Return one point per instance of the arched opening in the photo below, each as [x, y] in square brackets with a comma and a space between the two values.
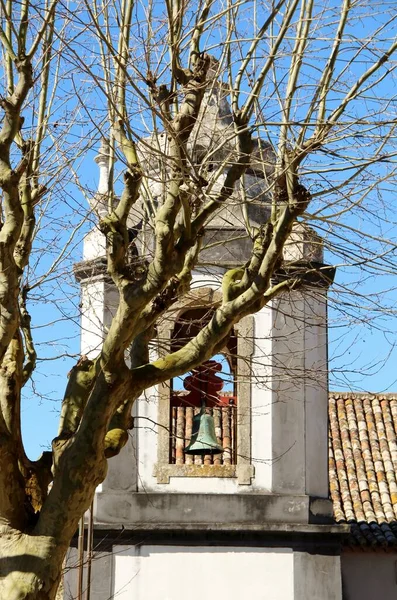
[214, 382]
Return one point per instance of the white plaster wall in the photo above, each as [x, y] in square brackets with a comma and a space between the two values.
[92, 316]
[99, 302]
[296, 340]
[316, 395]
[202, 573]
[289, 404]
[369, 575]
[317, 577]
[288, 433]
[94, 244]
[262, 401]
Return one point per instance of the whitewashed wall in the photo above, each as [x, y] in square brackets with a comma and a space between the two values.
[148, 572]
[202, 573]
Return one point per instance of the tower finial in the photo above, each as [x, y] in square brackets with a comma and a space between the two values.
[102, 160]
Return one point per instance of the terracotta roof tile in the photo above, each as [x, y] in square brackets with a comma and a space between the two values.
[363, 465]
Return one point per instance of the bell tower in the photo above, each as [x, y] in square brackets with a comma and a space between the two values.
[254, 517]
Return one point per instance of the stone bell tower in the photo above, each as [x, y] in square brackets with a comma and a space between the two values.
[255, 520]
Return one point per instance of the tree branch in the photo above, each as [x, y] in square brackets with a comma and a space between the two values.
[30, 350]
[260, 292]
[12, 498]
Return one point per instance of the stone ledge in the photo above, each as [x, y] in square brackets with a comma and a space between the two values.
[249, 508]
[91, 269]
[318, 539]
[274, 528]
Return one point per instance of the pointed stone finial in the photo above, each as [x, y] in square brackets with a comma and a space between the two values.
[95, 241]
[102, 160]
[99, 201]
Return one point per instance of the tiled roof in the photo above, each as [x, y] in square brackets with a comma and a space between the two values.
[363, 466]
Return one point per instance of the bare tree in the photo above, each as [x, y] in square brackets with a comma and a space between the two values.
[309, 107]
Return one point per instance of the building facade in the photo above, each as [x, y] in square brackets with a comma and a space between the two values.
[255, 520]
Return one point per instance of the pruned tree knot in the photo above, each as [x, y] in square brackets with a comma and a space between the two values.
[151, 79]
[107, 224]
[115, 440]
[27, 145]
[162, 95]
[167, 296]
[136, 267]
[298, 200]
[83, 364]
[133, 175]
[37, 193]
[60, 443]
[201, 67]
[10, 180]
[230, 279]
[241, 121]
[301, 198]
[264, 231]
[6, 104]
[22, 61]
[24, 65]
[200, 181]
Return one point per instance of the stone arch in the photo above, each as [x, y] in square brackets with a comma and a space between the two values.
[240, 467]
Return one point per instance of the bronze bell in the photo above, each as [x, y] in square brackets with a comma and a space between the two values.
[203, 440]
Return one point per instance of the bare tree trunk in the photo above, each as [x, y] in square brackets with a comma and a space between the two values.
[187, 184]
[30, 566]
